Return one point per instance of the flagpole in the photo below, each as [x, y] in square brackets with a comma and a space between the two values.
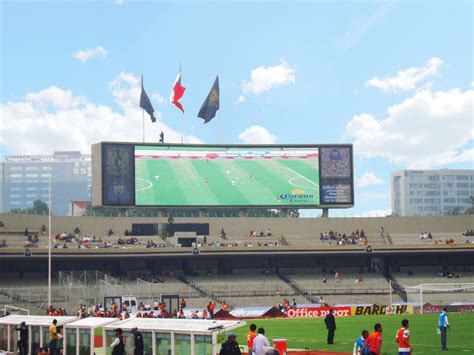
[143, 125]
[182, 127]
[219, 132]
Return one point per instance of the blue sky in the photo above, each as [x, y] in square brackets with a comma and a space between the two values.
[305, 71]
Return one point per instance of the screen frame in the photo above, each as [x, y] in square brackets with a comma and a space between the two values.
[100, 175]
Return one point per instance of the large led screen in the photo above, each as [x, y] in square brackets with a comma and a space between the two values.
[175, 175]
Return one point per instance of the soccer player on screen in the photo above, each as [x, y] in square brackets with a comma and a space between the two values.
[403, 339]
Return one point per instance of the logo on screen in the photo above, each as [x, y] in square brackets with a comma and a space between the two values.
[296, 197]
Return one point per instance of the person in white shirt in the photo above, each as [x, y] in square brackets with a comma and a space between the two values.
[260, 342]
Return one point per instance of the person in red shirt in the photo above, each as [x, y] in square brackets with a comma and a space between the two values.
[403, 339]
[250, 337]
[224, 306]
[374, 341]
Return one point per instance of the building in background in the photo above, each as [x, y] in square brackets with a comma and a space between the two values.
[431, 192]
[25, 178]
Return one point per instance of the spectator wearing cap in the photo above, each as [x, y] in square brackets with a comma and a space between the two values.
[230, 347]
[118, 345]
[138, 338]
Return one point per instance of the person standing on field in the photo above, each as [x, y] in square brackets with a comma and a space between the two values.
[330, 322]
[251, 335]
[374, 341]
[359, 343]
[403, 339]
[443, 324]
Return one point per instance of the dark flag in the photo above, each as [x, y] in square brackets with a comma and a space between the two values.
[211, 104]
[145, 103]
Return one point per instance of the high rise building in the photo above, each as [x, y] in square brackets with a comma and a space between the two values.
[25, 178]
[431, 192]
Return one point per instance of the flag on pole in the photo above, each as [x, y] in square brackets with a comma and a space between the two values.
[177, 92]
[145, 103]
[211, 105]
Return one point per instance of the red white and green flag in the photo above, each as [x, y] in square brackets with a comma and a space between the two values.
[177, 92]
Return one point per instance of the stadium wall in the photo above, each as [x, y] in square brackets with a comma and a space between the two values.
[99, 226]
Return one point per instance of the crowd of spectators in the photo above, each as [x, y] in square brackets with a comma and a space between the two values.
[254, 234]
[469, 233]
[147, 310]
[354, 238]
[56, 312]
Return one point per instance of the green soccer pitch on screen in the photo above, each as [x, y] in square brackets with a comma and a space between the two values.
[226, 176]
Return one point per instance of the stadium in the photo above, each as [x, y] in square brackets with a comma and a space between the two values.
[186, 281]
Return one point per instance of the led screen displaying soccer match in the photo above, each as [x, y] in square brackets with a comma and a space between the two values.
[161, 175]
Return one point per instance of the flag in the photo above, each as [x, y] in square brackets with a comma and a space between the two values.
[211, 105]
[177, 92]
[145, 103]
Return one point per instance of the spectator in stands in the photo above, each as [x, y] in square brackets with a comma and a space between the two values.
[194, 315]
[4, 244]
[374, 341]
[337, 276]
[260, 342]
[443, 325]
[204, 314]
[223, 233]
[321, 300]
[381, 231]
[359, 279]
[224, 306]
[359, 343]
[293, 303]
[230, 347]
[330, 322]
[325, 279]
[23, 342]
[250, 338]
[269, 232]
[182, 303]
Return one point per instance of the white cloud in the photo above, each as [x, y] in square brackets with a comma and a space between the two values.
[240, 99]
[376, 213]
[85, 54]
[471, 84]
[429, 129]
[369, 178]
[119, 2]
[263, 79]
[359, 28]
[159, 99]
[406, 79]
[257, 135]
[55, 119]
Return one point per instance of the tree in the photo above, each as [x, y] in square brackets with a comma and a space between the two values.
[39, 207]
[470, 210]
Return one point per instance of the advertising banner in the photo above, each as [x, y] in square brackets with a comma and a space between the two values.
[317, 312]
[376, 309]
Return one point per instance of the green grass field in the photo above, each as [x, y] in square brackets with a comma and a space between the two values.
[220, 182]
[311, 333]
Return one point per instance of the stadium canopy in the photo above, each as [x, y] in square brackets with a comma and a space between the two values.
[85, 335]
[256, 312]
[38, 331]
[176, 336]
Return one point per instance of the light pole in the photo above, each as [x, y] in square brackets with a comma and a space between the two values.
[49, 232]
